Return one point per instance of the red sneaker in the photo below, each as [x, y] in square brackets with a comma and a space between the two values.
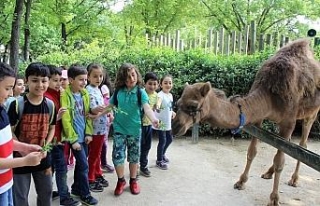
[120, 187]
[134, 187]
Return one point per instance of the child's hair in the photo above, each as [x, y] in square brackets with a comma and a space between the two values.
[122, 75]
[162, 78]
[6, 71]
[37, 69]
[54, 70]
[150, 76]
[76, 70]
[92, 66]
[106, 81]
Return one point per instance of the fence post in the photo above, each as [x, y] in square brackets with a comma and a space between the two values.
[216, 40]
[221, 40]
[177, 40]
[253, 37]
[195, 133]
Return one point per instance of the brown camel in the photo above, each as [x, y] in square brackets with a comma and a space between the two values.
[286, 89]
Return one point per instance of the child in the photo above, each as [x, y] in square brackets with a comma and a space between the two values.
[67, 149]
[105, 88]
[151, 84]
[95, 77]
[77, 129]
[127, 124]
[165, 114]
[58, 160]
[7, 144]
[34, 126]
[18, 90]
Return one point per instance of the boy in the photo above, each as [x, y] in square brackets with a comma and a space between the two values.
[58, 161]
[7, 144]
[77, 129]
[151, 84]
[33, 126]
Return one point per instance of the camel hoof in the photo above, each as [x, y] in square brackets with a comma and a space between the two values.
[239, 186]
[293, 183]
[266, 176]
[273, 204]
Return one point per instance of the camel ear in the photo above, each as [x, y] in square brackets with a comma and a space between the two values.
[186, 84]
[205, 89]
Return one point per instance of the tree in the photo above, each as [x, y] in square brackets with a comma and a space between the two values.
[15, 34]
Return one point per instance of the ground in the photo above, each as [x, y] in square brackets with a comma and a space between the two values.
[204, 174]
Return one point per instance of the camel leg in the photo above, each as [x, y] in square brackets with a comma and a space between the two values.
[306, 127]
[251, 153]
[278, 163]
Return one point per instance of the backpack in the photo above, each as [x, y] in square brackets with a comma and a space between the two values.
[115, 100]
[20, 107]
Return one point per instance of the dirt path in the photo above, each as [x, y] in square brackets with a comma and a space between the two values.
[204, 174]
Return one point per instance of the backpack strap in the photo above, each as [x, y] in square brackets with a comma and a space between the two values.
[19, 107]
[115, 97]
[50, 104]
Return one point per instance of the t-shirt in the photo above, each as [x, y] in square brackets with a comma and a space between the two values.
[152, 101]
[96, 99]
[6, 148]
[79, 121]
[128, 121]
[165, 113]
[32, 128]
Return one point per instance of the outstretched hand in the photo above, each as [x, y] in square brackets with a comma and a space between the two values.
[61, 111]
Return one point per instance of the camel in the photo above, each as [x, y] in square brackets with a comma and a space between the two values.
[285, 89]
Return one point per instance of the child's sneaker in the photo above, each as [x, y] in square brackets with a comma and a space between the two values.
[161, 165]
[55, 195]
[102, 181]
[134, 187]
[107, 168]
[89, 200]
[69, 202]
[145, 172]
[165, 160]
[119, 188]
[95, 186]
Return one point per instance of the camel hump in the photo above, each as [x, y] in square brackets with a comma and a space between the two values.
[291, 73]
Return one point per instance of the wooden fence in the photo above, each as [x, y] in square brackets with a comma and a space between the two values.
[222, 42]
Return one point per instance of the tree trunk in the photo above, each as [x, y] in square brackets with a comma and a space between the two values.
[64, 33]
[26, 47]
[15, 34]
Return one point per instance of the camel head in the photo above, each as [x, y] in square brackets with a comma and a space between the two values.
[190, 106]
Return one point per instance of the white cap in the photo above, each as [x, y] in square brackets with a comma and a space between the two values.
[64, 74]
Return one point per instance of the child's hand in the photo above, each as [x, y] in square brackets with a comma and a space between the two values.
[33, 159]
[88, 139]
[173, 115]
[98, 109]
[155, 123]
[76, 146]
[91, 116]
[61, 111]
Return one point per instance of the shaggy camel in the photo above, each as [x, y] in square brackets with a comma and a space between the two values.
[286, 89]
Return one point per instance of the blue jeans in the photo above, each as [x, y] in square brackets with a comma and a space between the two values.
[80, 184]
[43, 185]
[6, 198]
[146, 140]
[60, 169]
[165, 139]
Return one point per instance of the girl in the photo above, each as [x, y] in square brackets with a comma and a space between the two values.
[127, 124]
[95, 77]
[164, 113]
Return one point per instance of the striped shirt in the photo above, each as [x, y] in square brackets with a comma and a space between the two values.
[6, 148]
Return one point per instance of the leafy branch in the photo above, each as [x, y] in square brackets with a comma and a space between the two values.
[112, 108]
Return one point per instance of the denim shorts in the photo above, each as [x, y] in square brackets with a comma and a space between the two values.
[120, 144]
[6, 198]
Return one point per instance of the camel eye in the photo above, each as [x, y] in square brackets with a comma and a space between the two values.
[192, 107]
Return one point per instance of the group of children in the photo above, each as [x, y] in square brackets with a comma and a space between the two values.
[49, 117]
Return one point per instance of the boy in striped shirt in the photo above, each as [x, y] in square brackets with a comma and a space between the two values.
[8, 145]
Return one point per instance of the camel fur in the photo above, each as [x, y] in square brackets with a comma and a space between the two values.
[286, 89]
